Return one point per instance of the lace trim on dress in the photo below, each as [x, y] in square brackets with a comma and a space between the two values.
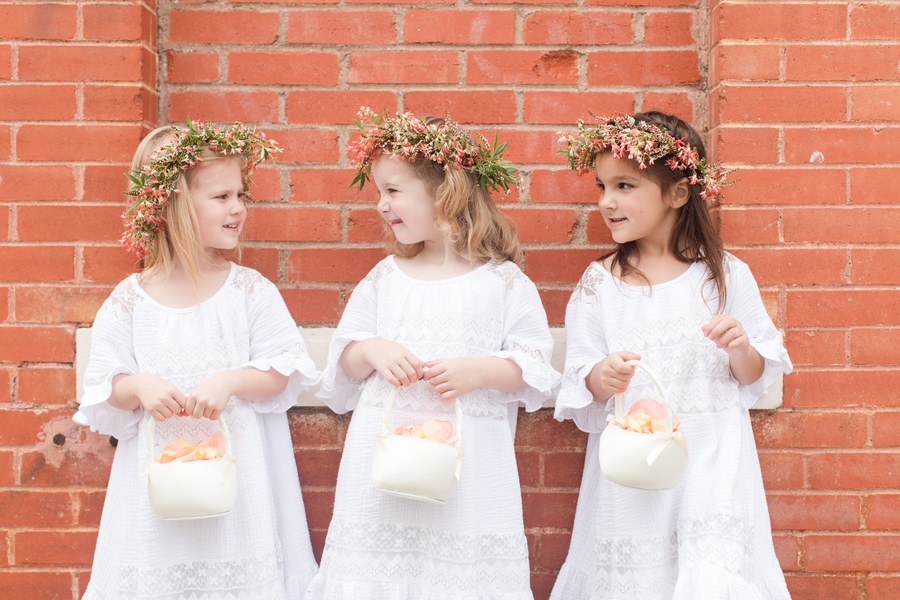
[636, 567]
[509, 273]
[586, 289]
[123, 299]
[723, 541]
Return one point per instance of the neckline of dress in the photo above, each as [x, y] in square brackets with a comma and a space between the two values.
[232, 269]
[406, 275]
[654, 286]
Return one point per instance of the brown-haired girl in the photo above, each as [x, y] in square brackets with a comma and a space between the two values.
[448, 316]
[667, 294]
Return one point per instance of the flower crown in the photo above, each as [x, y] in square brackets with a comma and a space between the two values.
[643, 143]
[407, 137]
[153, 184]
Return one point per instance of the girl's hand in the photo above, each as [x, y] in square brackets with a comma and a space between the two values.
[159, 398]
[392, 361]
[611, 375]
[453, 377]
[728, 334]
[211, 396]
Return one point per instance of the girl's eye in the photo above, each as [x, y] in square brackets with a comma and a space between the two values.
[625, 186]
[600, 185]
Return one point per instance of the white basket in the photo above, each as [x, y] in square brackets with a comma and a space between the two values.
[416, 468]
[647, 461]
[191, 490]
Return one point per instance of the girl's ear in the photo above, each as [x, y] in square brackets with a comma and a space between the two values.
[679, 193]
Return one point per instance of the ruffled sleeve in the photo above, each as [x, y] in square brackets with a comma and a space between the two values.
[339, 391]
[276, 343]
[112, 353]
[585, 347]
[744, 303]
[527, 340]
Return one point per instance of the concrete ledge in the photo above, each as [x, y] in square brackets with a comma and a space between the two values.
[317, 339]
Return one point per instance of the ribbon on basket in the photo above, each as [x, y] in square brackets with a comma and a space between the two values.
[664, 438]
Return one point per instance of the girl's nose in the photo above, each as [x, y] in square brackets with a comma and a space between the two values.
[606, 201]
[382, 205]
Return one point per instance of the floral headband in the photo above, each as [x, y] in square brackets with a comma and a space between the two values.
[153, 184]
[406, 137]
[643, 143]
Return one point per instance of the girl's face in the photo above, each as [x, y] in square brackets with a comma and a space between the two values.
[217, 192]
[405, 202]
[633, 205]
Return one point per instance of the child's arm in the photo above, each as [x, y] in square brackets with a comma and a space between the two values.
[159, 398]
[452, 377]
[392, 361]
[211, 396]
[611, 375]
[728, 334]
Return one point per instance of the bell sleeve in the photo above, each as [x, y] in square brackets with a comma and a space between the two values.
[276, 343]
[528, 343]
[744, 303]
[585, 347]
[112, 353]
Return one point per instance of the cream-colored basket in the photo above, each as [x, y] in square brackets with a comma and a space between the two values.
[191, 490]
[647, 461]
[416, 468]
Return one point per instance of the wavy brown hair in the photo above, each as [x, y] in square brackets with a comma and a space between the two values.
[696, 234]
[465, 213]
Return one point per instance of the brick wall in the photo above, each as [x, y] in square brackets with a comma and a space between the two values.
[801, 96]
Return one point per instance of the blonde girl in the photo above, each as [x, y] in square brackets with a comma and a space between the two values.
[670, 295]
[448, 315]
[190, 338]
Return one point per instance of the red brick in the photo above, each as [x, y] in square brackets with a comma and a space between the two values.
[874, 21]
[319, 507]
[787, 550]
[791, 430]
[842, 307]
[37, 21]
[26, 427]
[756, 145]
[540, 430]
[844, 224]
[679, 104]
[782, 470]
[852, 552]
[549, 509]
[312, 305]
[468, 106]
[886, 429]
[565, 108]
[222, 106]
[69, 222]
[783, 103]
[37, 263]
[815, 512]
[816, 587]
[6, 378]
[553, 549]
[875, 346]
[31, 182]
[842, 63]
[294, 224]
[80, 63]
[529, 146]
[563, 469]
[119, 22]
[874, 266]
[525, 2]
[792, 21]
[773, 266]
[366, 225]
[749, 226]
[197, 26]
[337, 107]
[669, 29]
[332, 264]
[882, 587]
[326, 185]
[817, 346]
[528, 465]
[40, 344]
[562, 186]
[7, 468]
[558, 266]
[309, 145]
[265, 185]
[285, 68]
[4, 134]
[264, 260]
[341, 27]
[407, 66]
[58, 304]
[521, 67]
[554, 301]
[315, 430]
[841, 145]
[854, 470]
[108, 264]
[192, 67]
[37, 102]
[756, 62]
[35, 509]
[655, 67]
[453, 26]
[543, 224]
[284, 1]
[63, 466]
[116, 103]
[36, 585]
[574, 28]
[824, 388]
[642, 2]
[421, 2]
[4, 222]
[319, 467]
[77, 142]
[55, 548]
[873, 184]
[45, 385]
[90, 508]
[875, 103]
[106, 183]
[813, 185]
[883, 511]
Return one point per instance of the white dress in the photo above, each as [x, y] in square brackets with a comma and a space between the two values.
[473, 547]
[260, 550]
[709, 537]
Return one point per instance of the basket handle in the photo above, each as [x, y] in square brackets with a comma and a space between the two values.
[659, 388]
[151, 435]
[389, 405]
